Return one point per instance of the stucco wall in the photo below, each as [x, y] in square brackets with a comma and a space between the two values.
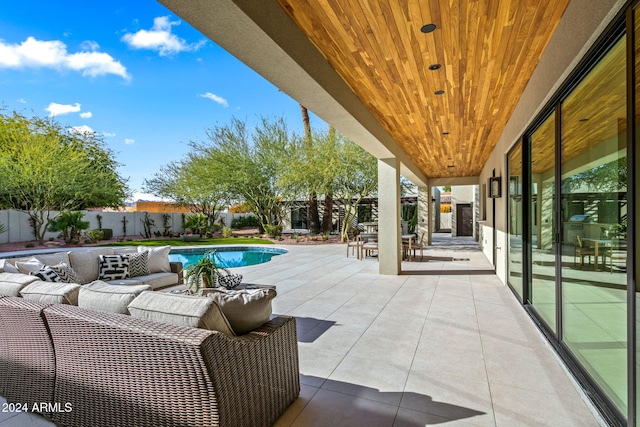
[19, 229]
[583, 22]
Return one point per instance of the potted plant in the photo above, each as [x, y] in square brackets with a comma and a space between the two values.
[207, 273]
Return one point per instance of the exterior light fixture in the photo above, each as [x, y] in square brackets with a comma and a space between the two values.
[429, 28]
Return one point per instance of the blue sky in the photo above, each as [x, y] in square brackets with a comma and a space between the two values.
[131, 71]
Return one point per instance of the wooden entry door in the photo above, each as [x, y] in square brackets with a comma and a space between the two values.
[464, 220]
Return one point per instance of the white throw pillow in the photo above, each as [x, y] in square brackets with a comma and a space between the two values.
[245, 309]
[158, 258]
[26, 267]
[7, 267]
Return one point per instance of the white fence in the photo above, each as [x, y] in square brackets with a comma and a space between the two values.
[445, 221]
[19, 228]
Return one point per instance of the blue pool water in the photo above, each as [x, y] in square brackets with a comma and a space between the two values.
[228, 257]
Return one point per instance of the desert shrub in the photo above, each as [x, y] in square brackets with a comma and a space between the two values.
[93, 236]
[250, 221]
[197, 223]
[273, 230]
[226, 232]
[107, 233]
[70, 224]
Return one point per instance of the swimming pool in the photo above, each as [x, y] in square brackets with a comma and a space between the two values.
[229, 257]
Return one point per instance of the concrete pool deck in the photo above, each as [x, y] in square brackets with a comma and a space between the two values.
[444, 343]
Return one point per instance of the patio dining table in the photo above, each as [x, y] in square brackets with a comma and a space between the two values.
[597, 243]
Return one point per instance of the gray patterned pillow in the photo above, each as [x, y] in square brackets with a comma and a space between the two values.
[66, 273]
[139, 264]
[46, 274]
[113, 267]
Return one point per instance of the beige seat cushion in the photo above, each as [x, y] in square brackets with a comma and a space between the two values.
[155, 280]
[245, 309]
[51, 292]
[12, 283]
[102, 296]
[87, 264]
[180, 310]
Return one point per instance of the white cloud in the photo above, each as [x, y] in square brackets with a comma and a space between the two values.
[220, 100]
[109, 135]
[86, 115]
[83, 129]
[129, 141]
[22, 101]
[33, 53]
[60, 109]
[160, 38]
[90, 45]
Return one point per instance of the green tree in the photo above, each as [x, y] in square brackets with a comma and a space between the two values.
[252, 164]
[192, 183]
[357, 179]
[310, 151]
[47, 168]
[337, 168]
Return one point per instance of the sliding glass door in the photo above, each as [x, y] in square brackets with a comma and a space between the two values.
[593, 212]
[542, 223]
[515, 209]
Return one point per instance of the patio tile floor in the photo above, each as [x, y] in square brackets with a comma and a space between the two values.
[444, 343]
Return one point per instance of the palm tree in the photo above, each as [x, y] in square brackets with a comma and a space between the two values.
[314, 219]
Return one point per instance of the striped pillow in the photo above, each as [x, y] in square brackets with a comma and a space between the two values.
[46, 274]
[138, 264]
[66, 273]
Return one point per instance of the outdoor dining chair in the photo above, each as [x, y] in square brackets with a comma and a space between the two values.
[617, 252]
[356, 246]
[580, 250]
[410, 247]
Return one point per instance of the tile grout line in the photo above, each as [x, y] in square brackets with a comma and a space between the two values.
[484, 358]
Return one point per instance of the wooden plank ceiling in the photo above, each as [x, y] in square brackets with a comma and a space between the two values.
[486, 49]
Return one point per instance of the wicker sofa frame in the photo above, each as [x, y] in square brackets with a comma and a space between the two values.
[115, 370]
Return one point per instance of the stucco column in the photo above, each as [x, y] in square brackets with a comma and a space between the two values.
[431, 214]
[424, 211]
[389, 234]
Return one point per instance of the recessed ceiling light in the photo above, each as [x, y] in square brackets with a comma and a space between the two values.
[451, 166]
[583, 120]
[434, 67]
[439, 92]
[445, 133]
[428, 28]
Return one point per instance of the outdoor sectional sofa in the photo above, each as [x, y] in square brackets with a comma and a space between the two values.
[83, 367]
[86, 266]
[131, 356]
